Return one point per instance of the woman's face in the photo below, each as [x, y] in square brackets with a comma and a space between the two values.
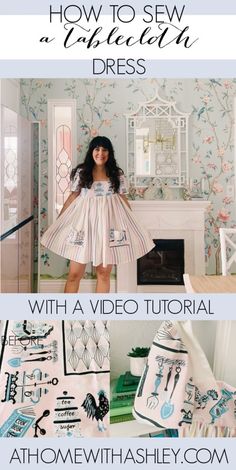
[100, 155]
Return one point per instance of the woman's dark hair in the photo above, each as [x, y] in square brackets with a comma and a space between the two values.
[86, 168]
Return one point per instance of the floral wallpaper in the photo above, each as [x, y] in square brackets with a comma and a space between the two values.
[101, 105]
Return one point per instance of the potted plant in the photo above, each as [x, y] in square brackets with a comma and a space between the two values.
[138, 358]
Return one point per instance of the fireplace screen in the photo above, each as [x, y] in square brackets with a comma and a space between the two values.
[163, 265]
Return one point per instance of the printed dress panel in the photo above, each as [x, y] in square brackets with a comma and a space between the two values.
[98, 227]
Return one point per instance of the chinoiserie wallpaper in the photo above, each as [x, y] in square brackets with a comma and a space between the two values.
[101, 106]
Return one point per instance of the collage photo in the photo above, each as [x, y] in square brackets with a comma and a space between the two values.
[117, 186]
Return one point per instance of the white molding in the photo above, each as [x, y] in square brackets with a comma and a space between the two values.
[187, 284]
[162, 205]
[57, 286]
[39, 202]
[157, 100]
[10, 93]
[169, 220]
[51, 166]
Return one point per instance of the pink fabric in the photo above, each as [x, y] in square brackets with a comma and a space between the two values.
[54, 379]
[178, 389]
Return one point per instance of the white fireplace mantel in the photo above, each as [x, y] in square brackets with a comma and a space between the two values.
[169, 220]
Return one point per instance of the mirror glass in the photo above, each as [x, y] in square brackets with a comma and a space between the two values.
[156, 148]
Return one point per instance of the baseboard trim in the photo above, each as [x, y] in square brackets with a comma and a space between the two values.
[47, 286]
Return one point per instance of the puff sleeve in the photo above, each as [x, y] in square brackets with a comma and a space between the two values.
[123, 189]
[75, 182]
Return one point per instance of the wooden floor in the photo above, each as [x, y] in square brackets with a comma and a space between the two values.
[210, 284]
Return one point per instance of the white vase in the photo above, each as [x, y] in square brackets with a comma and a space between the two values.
[137, 365]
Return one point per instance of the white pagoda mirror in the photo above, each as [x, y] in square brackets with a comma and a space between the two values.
[157, 143]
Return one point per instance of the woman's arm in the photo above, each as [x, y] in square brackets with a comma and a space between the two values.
[123, 190]
[69, 200]
[125, 200]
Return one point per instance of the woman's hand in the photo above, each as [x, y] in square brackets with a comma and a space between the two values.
[69, 200]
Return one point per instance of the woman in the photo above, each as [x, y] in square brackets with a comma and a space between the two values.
[96, 223]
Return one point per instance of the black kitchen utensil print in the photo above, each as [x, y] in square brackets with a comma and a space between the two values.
[153, 400]
[36, 426]
[20, 348]
[168, 378]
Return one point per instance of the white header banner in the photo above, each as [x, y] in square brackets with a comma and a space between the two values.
[154, 35]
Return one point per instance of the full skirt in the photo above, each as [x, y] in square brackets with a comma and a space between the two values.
[102, 230]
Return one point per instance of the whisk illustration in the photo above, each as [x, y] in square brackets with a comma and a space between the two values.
[153, 400]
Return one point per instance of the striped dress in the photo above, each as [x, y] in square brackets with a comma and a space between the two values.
[98, 227]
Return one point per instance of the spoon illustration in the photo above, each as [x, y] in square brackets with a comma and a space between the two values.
[17, 361]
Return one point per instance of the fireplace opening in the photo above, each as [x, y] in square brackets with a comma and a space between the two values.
[163, 265]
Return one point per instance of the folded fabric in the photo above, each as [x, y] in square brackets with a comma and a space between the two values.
[178, 390]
